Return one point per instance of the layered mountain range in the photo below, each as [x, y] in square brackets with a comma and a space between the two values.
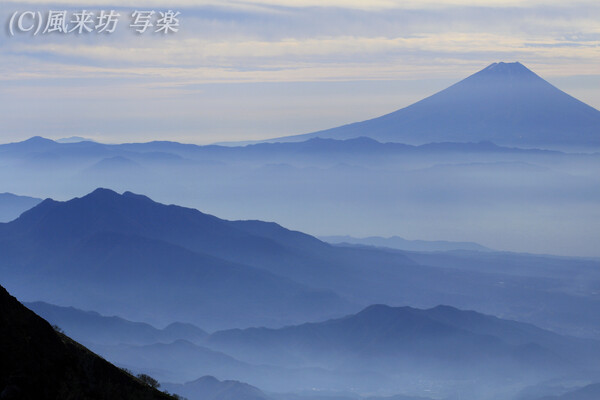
[218, 308]
[358, 187]
[380, 349]
[165, 263]
[286, 312]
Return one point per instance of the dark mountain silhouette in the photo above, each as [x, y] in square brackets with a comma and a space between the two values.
[36, 362]
[160, 263]
[132, 214]
[89, 326]
[505, 103]
[11, 205]
[210, 388]
[391, 339]
[87, 228]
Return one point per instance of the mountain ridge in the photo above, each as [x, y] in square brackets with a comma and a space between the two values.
[130, 243]
[196, 268]
[381, 332]
[90, 326]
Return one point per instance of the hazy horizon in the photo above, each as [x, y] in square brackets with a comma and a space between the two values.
[241, 71]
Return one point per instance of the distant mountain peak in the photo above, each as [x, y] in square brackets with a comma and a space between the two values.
[35, 143]
[501, 72]
[109, 194]
[504, 68]
[73, 139]
[38, 139]
[101, 199]
[102, 193]
[505, 103]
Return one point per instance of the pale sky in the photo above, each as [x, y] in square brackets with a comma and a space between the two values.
[241, 70]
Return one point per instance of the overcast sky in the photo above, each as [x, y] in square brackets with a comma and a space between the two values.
[242, 70]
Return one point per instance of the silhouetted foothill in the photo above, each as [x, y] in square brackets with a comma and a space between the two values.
[38, 363]
[11, 392]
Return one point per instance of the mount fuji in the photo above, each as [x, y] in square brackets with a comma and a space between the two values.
[505, 103]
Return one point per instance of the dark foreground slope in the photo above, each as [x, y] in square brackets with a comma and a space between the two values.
[38, 363]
